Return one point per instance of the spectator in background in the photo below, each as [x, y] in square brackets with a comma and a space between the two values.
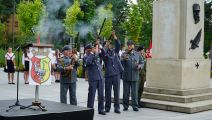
[142, 75]
[25, 62]
[57, 73]
[121, 51]
[10, 65]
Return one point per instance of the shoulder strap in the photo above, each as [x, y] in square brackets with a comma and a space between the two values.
[10, 56]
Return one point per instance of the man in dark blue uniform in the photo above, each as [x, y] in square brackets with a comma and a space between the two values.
[132, 63]
[68, 67]
[95, 78]
[113, 69]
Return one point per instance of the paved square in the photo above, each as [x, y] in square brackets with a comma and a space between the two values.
[8, 92]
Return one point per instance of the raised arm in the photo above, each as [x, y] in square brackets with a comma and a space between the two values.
[117, 43]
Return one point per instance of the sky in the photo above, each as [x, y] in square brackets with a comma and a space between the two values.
[134, 1]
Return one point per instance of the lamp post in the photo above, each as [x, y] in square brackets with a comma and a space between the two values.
[13, 21]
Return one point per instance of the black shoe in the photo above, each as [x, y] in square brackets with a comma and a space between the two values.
[102, 113]
[135, 109]
[117, 111]
[107, 110]
[140, 106]
[26, 83]
[125, 109]
[13, 83]
[57, 81]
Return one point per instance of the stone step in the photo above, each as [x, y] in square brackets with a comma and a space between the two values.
[178, 107]
[176, 98]
[177, 92]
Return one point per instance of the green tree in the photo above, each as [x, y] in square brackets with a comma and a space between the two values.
[7, 8]
[29, 14]
[138, 25]
[102, 13]
[119, 7]
[89, 10]
[146, 7]
[73, 13]
[2, 33]
[208, 25]
[133, 23]
[99, 2]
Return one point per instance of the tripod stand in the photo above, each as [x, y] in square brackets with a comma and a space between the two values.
[17, 103]
[35, 103]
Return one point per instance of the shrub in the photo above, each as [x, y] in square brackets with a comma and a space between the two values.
[80, 70]
[2, 57]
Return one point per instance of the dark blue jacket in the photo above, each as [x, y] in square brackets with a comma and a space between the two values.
[112, 62]
[93, 66]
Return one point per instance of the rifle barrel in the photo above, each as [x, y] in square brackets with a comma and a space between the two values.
[119, 19]
[102, 26]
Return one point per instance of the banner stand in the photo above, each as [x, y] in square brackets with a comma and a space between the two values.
[41, 72]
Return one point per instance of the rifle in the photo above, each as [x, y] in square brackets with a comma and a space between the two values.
[102, 27]
[77, 39]
[119, 20]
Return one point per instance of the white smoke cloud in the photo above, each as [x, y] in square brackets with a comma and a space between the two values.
[50, 27]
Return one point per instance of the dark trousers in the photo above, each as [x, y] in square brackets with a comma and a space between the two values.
[64, 87]
[93, 86]
[140, 89]
[114, 82]
[130, 86]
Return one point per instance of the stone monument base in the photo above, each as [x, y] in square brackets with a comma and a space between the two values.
[186, 101]
[179, 74]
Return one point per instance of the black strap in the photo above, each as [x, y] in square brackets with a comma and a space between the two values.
[10, 57]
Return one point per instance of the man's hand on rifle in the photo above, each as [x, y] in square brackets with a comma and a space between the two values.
[75, 57]
[114, 35]
[70, 67]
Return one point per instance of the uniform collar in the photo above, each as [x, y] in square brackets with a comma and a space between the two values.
[66, 57]
[132, 52]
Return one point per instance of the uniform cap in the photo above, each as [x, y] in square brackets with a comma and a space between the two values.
[130, 42]
[66, 47]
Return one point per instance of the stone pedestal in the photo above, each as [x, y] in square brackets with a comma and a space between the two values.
[175, 65]
[178, 74]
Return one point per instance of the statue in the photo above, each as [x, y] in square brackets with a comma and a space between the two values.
[196, 11]
[195, 42]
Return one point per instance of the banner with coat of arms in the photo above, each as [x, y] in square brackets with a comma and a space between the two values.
[40, 66]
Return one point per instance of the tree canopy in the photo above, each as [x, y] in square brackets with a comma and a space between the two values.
[208, 25]
[29, 14]
[138, 25]
[87, 16]
[72, 15]
[2, 33]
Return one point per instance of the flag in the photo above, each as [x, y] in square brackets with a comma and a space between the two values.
[149, 50]
[38, 39]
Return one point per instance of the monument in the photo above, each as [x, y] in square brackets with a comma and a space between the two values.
[178, 75]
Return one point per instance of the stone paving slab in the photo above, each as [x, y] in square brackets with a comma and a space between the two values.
[8, 92]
